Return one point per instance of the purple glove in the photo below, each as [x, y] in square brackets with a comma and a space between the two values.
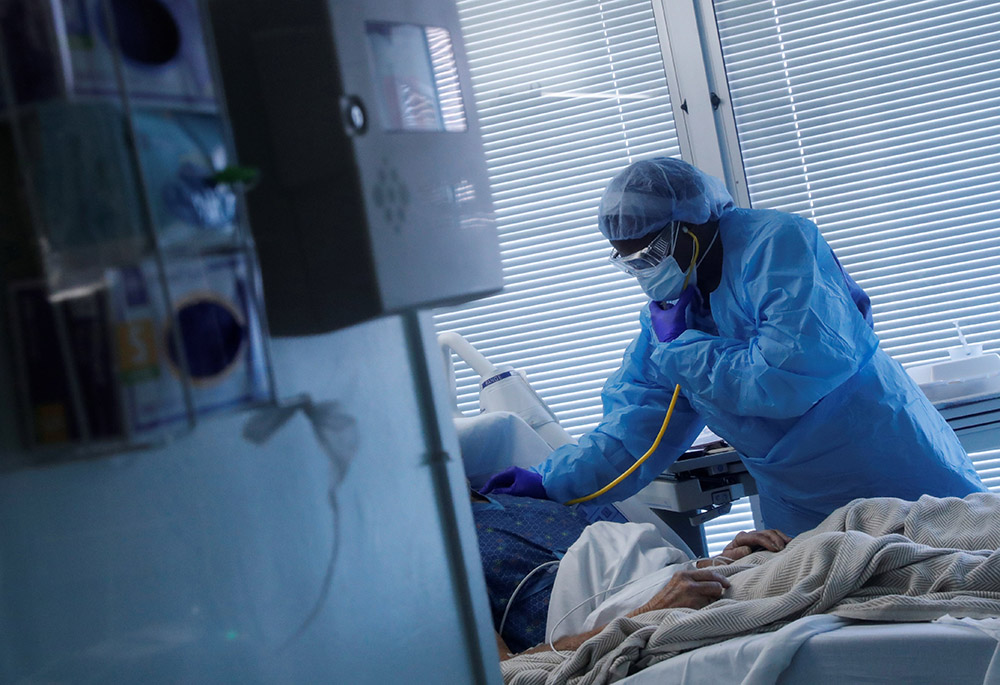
[670, 322]
[516, 481]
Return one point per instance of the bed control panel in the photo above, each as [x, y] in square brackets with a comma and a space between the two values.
[703, 484]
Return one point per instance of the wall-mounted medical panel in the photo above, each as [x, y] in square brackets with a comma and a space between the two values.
[117, 365]
[373, 195]
[130, 302]
[64, 49]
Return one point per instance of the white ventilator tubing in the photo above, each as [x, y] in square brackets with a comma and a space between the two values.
[454, 343]
[503, 389]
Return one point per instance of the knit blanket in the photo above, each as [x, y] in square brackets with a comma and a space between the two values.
[880, 559]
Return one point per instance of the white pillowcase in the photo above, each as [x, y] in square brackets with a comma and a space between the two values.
[495, 440]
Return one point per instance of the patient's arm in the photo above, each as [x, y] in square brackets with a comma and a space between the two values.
[502, 647]
[689, 589]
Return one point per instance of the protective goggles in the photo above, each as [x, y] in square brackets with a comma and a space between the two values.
[649, 256]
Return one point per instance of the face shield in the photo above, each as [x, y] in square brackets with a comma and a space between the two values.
[650, 256]
[656, 268]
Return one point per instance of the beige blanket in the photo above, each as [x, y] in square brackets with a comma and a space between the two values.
[877, 559]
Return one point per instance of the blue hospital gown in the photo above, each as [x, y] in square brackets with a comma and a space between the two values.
[516, 534]
[786, 370]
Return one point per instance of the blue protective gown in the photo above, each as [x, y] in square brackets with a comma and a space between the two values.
[787, 370]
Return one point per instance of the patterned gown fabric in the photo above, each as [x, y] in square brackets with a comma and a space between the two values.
[516, 535]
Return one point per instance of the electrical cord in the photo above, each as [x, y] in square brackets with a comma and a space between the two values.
[510, 602]
[690, 565]
[551, 636]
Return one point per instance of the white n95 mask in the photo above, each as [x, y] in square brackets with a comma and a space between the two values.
[665, 281]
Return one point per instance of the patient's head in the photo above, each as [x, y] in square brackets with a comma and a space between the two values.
[473, 495]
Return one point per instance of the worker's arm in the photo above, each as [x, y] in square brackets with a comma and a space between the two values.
[807, 334]
[635, 404]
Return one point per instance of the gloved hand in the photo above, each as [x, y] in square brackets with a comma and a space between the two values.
[670, 322]
[516, 481]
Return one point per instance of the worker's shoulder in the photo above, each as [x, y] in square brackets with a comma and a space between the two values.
[752, 230]
[771, 218]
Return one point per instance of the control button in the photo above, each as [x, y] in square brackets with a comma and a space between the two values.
[355, 119]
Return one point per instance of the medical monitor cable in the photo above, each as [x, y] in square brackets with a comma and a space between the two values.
[510, 602]
[670, 409]
[550, 638]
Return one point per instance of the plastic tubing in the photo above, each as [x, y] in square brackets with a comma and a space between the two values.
[464, 349]
[631, 469]
[666, 419]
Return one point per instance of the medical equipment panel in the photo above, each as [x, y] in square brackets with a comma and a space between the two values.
[373, 195]
[66, 49]
[700, 486]
[708, 478]
[130, 305]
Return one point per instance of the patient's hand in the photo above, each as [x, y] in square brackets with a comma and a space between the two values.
[689, 589]
[746, 543]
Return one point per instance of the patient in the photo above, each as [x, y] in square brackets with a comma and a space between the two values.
[518, 535]
[878, 559]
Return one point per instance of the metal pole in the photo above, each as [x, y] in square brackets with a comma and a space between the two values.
[437, 460]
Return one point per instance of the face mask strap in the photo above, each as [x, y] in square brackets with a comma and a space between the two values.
[673, 235]
[694, 257]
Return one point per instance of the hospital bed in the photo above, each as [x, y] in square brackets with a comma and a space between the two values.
[817, 650]
[956, 654]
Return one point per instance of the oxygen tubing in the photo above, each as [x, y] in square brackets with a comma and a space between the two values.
[666, 419]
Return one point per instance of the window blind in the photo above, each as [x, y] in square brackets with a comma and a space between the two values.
[567, 92]
[721, 531]
[988, 465]
[880, 121]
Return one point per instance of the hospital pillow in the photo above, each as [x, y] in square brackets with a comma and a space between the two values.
[495, 440]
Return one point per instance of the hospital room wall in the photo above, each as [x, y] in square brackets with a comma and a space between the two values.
[198, 561]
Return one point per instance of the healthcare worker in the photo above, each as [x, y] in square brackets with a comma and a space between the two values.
[772, 345]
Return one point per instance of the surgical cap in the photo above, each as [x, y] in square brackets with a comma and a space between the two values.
[649, 194]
